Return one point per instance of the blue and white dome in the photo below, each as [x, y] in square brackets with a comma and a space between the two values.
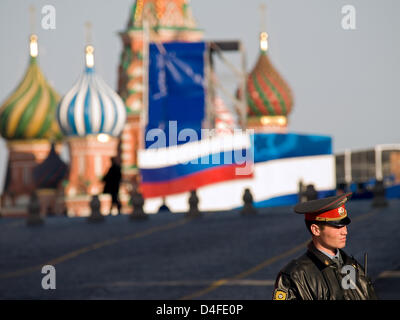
[91, 106]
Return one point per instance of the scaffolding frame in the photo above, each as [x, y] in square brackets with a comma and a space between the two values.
[212, 48]
[217, 48]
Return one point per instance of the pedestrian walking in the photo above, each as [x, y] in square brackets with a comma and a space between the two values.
[112, 180]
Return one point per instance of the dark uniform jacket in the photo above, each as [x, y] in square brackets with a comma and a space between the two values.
[314, 276]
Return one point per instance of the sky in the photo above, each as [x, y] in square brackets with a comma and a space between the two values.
[345, 82]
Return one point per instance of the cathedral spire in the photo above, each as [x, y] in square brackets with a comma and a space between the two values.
[89, 49]
[269, 98]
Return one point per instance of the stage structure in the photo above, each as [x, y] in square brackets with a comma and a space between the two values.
[266, 159]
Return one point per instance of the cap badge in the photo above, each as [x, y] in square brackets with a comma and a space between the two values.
[342, 211]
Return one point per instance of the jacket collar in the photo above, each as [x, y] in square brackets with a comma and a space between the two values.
[322, 258]
[347, 259]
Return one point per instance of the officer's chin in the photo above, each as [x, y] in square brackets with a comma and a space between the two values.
[342, 244]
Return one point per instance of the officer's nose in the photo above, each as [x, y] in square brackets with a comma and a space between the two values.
[344, 230]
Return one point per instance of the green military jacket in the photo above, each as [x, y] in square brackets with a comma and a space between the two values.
[314, 276]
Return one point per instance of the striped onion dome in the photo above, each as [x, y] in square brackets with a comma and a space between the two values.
[91, 106]
[29, 112]
[267, 93]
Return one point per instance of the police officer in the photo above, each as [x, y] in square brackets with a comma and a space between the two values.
[325, 271]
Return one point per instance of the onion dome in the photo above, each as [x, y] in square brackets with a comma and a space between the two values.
[49, 173]
[91, 106]
[269, 98]
[29, 112]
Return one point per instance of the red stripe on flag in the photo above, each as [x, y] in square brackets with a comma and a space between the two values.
[192, 182]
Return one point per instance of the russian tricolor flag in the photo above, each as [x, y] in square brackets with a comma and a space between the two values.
[186, 167]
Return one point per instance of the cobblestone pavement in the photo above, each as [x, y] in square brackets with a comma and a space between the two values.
[220, 255]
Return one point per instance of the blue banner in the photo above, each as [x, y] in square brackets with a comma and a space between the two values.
[272, 146]
[176, 89]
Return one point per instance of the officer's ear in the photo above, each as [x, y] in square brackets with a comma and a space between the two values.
[315, 229]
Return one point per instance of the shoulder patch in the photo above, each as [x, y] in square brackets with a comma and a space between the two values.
[280, 294]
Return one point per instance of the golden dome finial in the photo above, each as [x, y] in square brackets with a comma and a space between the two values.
[264, 34]
[264, 41]
[89, 49]
[33, 39]
[33, 46]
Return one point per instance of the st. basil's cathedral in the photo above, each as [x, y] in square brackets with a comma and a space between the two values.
[98, 123]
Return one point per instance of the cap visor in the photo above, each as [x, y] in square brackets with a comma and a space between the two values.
[339, 223]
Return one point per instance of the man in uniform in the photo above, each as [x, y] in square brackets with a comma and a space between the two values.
[325, 271]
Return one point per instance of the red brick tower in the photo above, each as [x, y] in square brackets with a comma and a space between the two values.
[167, 20]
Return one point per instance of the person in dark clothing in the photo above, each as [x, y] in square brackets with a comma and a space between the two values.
[164, 207]
[112, 181]
[325, 271]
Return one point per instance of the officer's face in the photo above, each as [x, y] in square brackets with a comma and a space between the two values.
[331, 237]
